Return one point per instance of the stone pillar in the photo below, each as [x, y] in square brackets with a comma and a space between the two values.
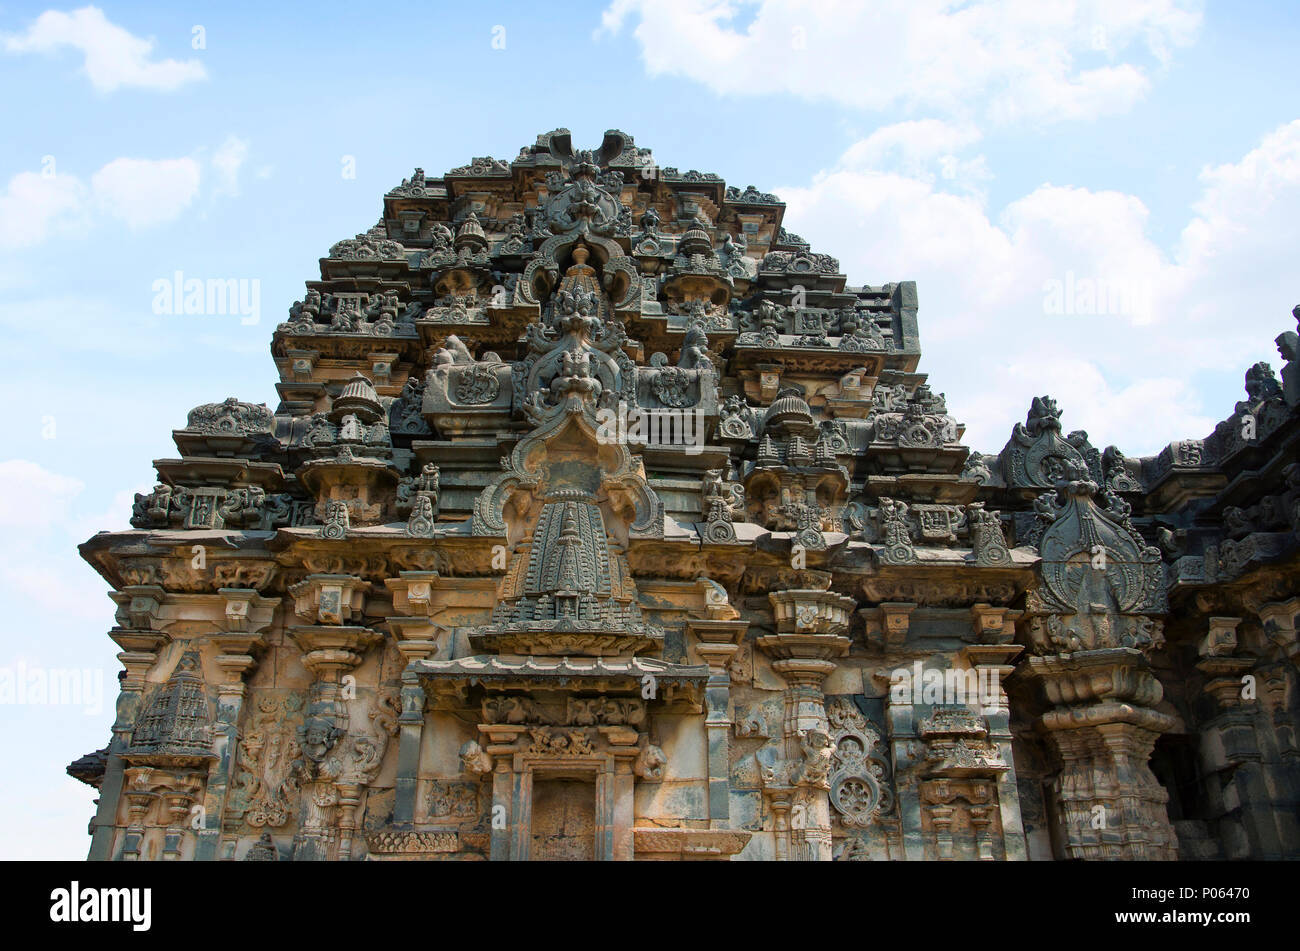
[411, 727]
[605, 793]
[810, 628]
[1091, 621]
[623, 811]
[502, 811]
[1102, 729]
[991, 659]
[906, 752]
[349, 798]
[137, 614]
[521, 815]
[1230, 748]
[887, 626]
[247, 614]
[417, 639]
[330, 647]
[716, 641]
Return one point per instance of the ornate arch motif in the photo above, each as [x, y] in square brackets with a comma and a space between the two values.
[1073, 545]
[860, 790]
[1037, 456]
[1102, 584]
[609, 471]
[620, 277]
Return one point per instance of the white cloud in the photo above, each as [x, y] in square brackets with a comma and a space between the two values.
[1170, 333]
[1023, 59]
[114, 57]
[32, 498]
[922, 149]
[918, 138]
[1240, 248]
[39, 512]
[35, 206]
[227, 161]
[143, 192]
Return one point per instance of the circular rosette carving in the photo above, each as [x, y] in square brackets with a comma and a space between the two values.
[898, 555]
[267, 812]
[859, 783]
[857, 797]
[917, 435]
[719, 532]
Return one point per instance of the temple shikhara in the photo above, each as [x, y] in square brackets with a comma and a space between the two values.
[600, 517]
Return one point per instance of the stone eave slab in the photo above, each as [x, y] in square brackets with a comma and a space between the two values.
[493, 667]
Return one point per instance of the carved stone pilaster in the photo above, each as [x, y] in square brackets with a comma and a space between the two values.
[1102, 729]
[992, 663]
[159, 797]
[887, 624]
[328, 653]
[1243, 792]
[417, 639]
[1223, 672]
[329, 599]
[140, 798]
[716, 641]
[811, 626]
[139, 653]
[413, 593]
[247, 616]
[1092, 621]
[178, 804]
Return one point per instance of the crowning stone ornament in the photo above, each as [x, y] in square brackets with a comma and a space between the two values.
[1037, 455]
[600, 517]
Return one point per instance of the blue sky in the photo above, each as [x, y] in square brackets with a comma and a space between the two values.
[989, 151]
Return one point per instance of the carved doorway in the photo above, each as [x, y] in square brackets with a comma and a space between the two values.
[564, 819]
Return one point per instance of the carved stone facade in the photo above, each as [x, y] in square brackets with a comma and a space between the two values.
[600, 518]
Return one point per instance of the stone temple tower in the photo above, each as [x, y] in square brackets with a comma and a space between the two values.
[601, 518]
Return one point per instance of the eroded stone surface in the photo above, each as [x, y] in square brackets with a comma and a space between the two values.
[451, 599]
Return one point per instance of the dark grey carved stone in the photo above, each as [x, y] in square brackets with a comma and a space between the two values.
[177, 724]
[527, 303]
[1037, 456]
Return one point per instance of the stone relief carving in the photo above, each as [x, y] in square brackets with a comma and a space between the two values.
[564, 598]
[1102, 582]
[1037, 456]
[859, 786]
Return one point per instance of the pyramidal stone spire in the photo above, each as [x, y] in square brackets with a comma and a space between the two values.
[602, 516]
